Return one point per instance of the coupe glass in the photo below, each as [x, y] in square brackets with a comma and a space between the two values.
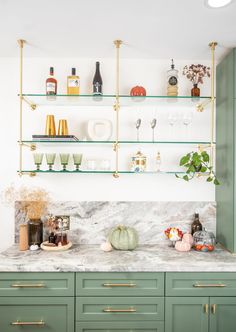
[77, 157]
[50, 157]
[187, 120]
[172, 119]
[64, 157]
[38, 158]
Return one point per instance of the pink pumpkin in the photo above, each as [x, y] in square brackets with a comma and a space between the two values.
[187, 237]
[182, 246]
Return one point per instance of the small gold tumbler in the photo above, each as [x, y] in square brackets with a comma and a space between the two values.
[50, 126]
[62, 128]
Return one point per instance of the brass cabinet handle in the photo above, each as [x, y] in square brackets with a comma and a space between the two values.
[118, 285]
[206, 309]
[213, 309]
[20, 323]
[108, 309]
[28, 285]
[209, 285]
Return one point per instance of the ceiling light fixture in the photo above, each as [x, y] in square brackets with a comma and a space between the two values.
[217, 3]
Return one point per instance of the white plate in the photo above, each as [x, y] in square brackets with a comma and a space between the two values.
[99, 129]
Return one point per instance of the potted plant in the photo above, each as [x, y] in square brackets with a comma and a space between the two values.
[197, 163]
[196, 73]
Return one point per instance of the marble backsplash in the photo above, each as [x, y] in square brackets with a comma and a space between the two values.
[91, 221]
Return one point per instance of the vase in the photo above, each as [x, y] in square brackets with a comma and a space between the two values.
[195, 92]
[35, 232]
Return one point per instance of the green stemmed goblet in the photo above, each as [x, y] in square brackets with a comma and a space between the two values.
[50, 157]
[64, 160]
[77, 157]
[38, 158]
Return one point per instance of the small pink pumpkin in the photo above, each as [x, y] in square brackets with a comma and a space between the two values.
[187, 237]
[182, 246]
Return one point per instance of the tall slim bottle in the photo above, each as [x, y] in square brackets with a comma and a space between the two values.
[97, 81]
[51, 84]
[172, 80]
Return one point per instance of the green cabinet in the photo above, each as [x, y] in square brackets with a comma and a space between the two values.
[223, 314]
[226, 150]
[184, 314]
[120, 326]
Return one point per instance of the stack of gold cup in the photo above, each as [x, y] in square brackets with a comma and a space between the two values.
[51, 128]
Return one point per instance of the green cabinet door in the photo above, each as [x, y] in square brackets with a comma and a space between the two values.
[223, 314]
[186, 314]
[120, 326]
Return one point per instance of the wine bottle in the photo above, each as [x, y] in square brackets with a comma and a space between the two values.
[97, 81]
[51, 84]
[73, 83]
[196, 225]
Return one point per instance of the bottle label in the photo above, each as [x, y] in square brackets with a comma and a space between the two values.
[173, 80]
[73, 82]
[51, 87]
[97, 88]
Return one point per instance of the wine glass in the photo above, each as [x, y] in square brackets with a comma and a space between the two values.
[50, 157]
[187, 120]
[64, 157]
[172, 119]
[38, 158]
[77, 157]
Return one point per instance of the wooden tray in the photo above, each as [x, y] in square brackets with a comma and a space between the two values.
[56, 248]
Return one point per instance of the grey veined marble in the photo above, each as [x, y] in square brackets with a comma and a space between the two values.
[92, 221]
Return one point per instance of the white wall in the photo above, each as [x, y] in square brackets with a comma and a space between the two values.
[152, 75]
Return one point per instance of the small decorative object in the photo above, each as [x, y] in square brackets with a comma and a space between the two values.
[137, 125]
[123, 238]
[106, 246]
[51, 238]
[23, 242]
[34, 247]
[99, 129]
[204, 241]
[153, 126]
[50, 157]
[38, 158]
[158, 162]
[196, 224]
[64, 157]
[172, 81]
[50, 126]
[173, 234]
[187, 237]
[63, 128]
[196, 164]
[138, 91]
[182, 246]
[77, 157]
[138, 163]
[196, 73]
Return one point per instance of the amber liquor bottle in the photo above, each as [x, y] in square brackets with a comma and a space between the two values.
[196, 225]
[51, 84]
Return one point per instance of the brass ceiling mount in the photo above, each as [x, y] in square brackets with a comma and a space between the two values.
[118, 42]
[21, 42]
[213, 45]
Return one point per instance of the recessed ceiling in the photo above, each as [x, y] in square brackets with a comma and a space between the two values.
[157, 29]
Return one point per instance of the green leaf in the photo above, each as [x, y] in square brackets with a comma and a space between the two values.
[176, 175]
[205, 157]
[216, 182]
[184, 160]
[192, 169]
[209, 179]
[185, 177]
[203, 169]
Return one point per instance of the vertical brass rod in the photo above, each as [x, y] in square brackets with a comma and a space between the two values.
[117, 105]
[212, 46]
[21, 43]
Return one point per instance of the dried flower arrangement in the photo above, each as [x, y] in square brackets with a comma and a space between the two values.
[34, 201]
[196, 73]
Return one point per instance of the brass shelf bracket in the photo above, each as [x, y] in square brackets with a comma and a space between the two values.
[32, 147]
[33, 106]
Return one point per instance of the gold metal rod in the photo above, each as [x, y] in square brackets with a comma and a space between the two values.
[118, 285]
[21, 43]
[19, 323]
[206, 307]
[213, 309]
[209, 285]
[28, 285]
[119, 310]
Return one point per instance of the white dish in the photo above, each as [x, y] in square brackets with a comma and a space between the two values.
[99, 129]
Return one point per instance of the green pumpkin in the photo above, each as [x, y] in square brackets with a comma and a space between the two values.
[123, 238]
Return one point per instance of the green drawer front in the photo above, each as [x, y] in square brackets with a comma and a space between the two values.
[121, 308]
[120, 327]
[120, 284]
[55, 314]
[201, 284]
[37, 284]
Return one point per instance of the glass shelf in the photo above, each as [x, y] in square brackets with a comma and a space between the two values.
[120, 142]
[97, 172]
[109, 100]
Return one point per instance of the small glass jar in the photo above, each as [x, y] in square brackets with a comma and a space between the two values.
[61, 239]
[139, 163]
[204, 241]
[35, 232]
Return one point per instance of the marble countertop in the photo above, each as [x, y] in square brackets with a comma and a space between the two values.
[152, 258]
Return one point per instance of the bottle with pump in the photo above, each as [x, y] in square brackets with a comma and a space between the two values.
[196, 225]
[51, 84]
[158, 162]
[73, 83]
[172, 80]
[97, 81]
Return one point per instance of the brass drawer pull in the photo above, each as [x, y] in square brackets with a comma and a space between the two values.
[19, 323]
[108, 309]
[209, 285]
[28, 285]
[206, 309]
[119, 285]
[213, 309]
